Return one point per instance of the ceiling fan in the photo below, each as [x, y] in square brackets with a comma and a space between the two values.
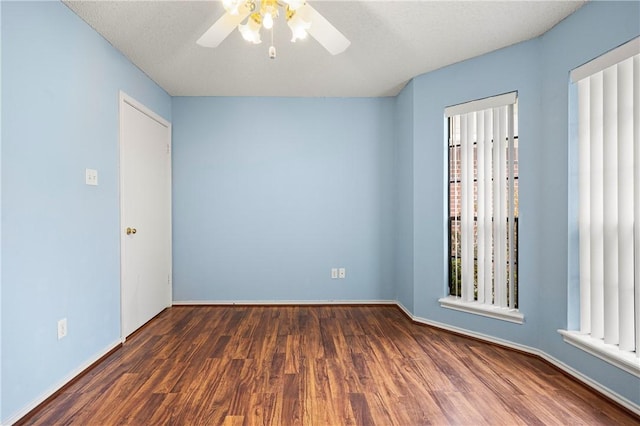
[301, 18]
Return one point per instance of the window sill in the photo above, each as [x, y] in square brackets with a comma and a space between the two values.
[628, 361]
[504, 314]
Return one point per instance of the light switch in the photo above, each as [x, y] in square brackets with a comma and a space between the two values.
[342, 272]
[91, 177]
[334, 273]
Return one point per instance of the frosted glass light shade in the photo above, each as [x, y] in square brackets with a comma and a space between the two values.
[251, 31]
[268, 21]
[232, 6]
[294, 4]
[298, 27]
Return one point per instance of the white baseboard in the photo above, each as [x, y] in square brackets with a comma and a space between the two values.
[404, 309]
[591, 383]
[631, 406]
[25, 410]
[282, 302]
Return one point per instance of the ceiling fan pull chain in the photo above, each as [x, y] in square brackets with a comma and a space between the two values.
[272, 48]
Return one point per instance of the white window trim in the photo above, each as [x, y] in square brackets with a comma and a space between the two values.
[615, 55]
[481, 104]
[491, 311]
[503, 313]
[610, 353]
[627, 361]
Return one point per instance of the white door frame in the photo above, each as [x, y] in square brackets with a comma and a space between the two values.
[126, 99]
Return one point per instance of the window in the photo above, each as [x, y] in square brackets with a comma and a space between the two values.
[609, 206]
[483, 208]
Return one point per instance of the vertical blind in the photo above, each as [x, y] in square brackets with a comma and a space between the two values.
[609, 196]
[484, 132]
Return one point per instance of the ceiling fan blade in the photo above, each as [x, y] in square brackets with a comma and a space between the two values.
[322, 30]
[223, 27]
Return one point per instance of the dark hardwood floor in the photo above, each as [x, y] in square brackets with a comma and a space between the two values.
[318, 365]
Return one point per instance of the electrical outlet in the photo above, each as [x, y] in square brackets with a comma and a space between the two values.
[91, 177]
[62, 328]
[342, 272]
[334, 273]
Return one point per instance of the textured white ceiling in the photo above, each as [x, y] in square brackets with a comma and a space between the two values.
[391, 42]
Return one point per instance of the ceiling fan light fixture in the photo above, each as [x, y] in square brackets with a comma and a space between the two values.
[294, 4]
[298, 26]
[269, 11]
[251, 30]
[232, 6]
[302, 19]
[268, 21]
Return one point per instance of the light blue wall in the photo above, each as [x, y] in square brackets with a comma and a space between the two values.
[60, 239]
[270, 193]
[0, 213]
[539, 71]
[507, 70]
[403, 167]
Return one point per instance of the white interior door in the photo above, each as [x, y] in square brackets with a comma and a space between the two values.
[145, 214]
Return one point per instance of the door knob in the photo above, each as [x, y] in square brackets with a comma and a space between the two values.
[131, 231]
